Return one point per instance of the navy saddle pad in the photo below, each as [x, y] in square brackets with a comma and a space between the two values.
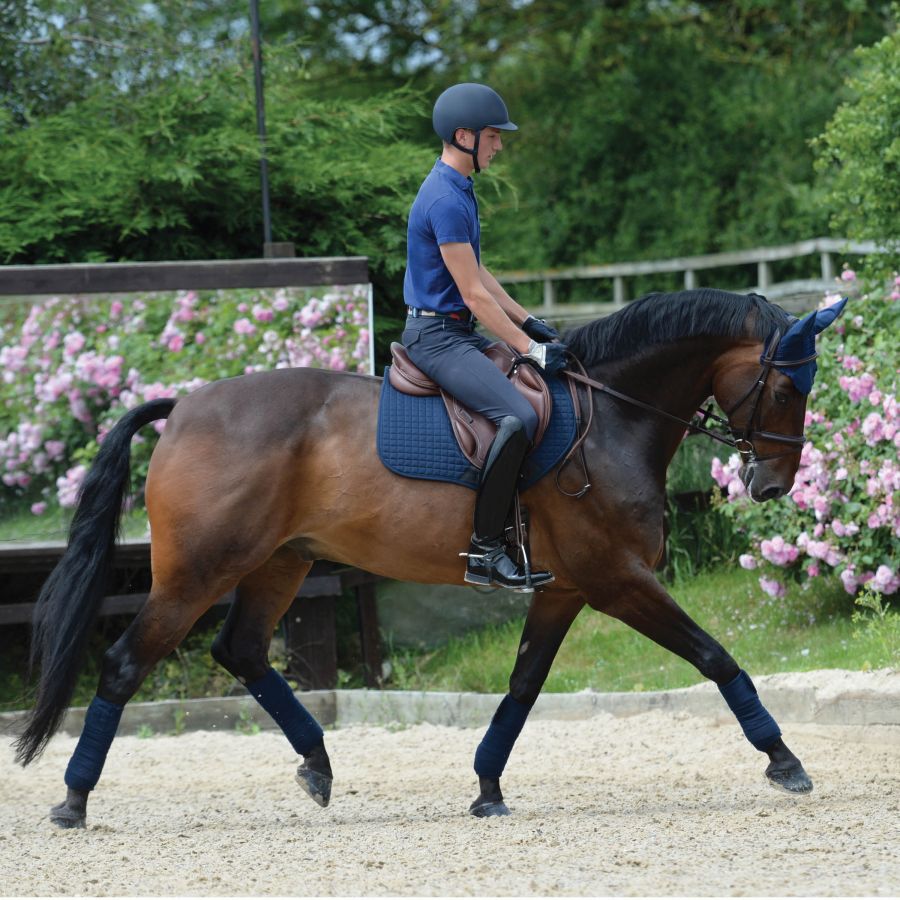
[415, 438]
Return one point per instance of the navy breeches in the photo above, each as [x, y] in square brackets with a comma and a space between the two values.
[451, 353]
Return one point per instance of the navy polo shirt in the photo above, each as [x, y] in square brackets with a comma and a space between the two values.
[445, 211]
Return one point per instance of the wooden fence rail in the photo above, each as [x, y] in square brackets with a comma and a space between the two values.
[101, 278]
[310, 629]
[689, 266]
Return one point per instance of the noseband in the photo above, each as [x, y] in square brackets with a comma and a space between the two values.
[741, 439]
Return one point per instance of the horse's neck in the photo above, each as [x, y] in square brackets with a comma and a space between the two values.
[675, 378]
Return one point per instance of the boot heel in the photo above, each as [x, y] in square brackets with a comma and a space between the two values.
[476, 579]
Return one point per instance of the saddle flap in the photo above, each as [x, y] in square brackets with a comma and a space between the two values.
[474, 432]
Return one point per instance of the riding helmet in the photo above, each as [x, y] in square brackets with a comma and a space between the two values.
[474, 106]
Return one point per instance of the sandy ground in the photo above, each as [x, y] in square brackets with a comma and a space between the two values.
[656, 804]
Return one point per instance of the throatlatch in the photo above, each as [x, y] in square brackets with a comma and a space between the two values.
[487, 560]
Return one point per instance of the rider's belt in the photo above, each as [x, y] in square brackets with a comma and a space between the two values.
[462, 315]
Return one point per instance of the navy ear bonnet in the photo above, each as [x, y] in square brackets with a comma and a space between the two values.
[795, 355]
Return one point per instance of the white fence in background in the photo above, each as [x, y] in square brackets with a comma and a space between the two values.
[802, 293]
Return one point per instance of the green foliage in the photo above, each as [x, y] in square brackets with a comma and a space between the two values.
[171, 172]
[245, 724]
[668, 129]
[646, 129]
[879, 624]
[807, 629]
[859, 152]
[698, 538]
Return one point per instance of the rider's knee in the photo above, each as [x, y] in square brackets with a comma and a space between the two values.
[526, 418]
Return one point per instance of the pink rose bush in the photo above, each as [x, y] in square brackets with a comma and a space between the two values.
[71, 366]
[842, 516]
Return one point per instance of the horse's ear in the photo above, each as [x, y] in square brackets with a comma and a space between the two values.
[824, 317]
[799, 341]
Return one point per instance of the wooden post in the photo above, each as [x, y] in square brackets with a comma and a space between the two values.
[279, 250]
[763, 274]
[369, 636]
[620, 293]
[690, 279]
[549, 295]
[312, 643]
[827, 267]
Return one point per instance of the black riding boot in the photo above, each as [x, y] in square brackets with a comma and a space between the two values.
[488, 561]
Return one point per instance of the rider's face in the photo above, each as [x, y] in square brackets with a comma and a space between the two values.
[490, 145]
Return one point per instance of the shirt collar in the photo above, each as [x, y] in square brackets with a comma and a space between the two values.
[463, 182]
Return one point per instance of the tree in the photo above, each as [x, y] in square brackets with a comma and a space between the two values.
[859, 152]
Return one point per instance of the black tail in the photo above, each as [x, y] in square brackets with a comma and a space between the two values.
[70, 599]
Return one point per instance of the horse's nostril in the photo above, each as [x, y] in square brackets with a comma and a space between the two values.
[771, 493]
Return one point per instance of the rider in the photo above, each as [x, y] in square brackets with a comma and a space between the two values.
[446, 289]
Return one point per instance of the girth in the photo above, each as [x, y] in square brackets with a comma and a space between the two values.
[474, 432]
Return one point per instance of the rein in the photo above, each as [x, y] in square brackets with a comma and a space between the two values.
[740, 439]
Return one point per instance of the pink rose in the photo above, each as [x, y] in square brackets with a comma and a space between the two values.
[849, 580]
[773, 588]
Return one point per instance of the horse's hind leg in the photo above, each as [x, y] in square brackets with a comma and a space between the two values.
[242, 647]
[645, 606]
[156, 631]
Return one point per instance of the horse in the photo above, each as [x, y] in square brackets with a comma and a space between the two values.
[256, 477]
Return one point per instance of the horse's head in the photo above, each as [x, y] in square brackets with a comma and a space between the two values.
[764, 396]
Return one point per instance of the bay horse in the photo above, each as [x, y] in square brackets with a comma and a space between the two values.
[256, 477]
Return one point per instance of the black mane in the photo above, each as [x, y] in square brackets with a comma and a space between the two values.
[662, 318]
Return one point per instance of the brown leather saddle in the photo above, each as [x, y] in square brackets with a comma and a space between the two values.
[473, 431]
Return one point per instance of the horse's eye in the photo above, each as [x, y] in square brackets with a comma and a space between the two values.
[781, 399]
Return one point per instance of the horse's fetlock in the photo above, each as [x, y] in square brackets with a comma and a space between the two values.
[317, 760]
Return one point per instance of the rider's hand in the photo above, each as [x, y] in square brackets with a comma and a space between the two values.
[550, 357]
[539, 330]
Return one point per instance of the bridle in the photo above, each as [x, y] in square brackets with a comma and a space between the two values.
[741, 439]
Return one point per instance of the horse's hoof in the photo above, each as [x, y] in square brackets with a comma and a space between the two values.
[64, 817]
[317, 785]
[483, 809]
[792, 780]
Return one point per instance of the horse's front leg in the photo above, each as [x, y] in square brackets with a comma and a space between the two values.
[642, 603]
[549, 618]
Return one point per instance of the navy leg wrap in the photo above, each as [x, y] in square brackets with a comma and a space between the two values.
[275, 696]
[497, 744]
[86, 764]
[759, 727]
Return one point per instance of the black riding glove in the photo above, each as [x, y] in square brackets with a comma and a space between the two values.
[550, 357]
[539, 330]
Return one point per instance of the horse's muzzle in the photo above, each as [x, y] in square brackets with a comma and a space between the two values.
[761, 484]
